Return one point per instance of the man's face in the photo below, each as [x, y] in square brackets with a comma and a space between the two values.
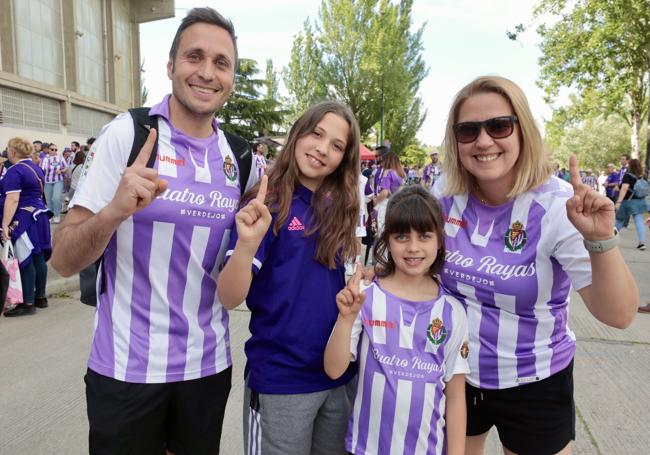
[434, 158]
[203, 71]
[610, 169]
[623, 160]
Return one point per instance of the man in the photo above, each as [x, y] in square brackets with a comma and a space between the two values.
[624, 159]
[38, 145]
[74, 147]
[159, 371]
[432, 170]
[612, 183]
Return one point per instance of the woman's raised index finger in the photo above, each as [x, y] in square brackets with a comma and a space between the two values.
[261, 193]
[145, 152]
[574, 171]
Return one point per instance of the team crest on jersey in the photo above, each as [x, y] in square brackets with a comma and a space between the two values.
[229, 169]
[515, 238]
[464, 350]
[436, 332]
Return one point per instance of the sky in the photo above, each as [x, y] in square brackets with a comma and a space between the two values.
[463, 39]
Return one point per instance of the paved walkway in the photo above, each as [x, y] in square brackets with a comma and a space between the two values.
[43, 357]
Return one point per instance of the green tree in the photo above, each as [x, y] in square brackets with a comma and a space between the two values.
[249, 113]
[596, 141]
[302, 76]
[364, 53]
[272, 81]
[414, 155]
[601, 50]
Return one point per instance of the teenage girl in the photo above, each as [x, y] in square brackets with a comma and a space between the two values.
[286, 260]
[409, 338]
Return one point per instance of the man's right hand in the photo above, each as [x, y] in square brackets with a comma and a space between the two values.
[139, 185]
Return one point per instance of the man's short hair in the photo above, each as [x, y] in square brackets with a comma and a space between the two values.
[37, 142]
[76, 143]
[205, 15]
[381, 150]
[90, 141]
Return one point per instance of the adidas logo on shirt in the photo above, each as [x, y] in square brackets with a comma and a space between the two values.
[296, 225]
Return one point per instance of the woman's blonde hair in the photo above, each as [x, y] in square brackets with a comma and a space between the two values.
[21, 146]
[335, 203]
[533, 166]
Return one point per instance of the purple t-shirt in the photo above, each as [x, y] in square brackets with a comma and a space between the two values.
[292, 299]
[390, 181]
[610, 191]
[159, 318]
[407, 352]
[513, 266]
[22, 178]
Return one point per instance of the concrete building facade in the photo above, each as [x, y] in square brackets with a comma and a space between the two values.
[67, 67]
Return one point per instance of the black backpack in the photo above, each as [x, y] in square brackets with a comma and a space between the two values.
[142, 123]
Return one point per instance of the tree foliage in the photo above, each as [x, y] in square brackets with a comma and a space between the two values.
[364, 53]
[414, 154]
[596, 141]
[601, 50]
[250, 113]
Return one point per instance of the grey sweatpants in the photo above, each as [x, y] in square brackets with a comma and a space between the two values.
[299, 424]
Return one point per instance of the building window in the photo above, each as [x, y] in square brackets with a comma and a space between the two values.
[39, 40]
[89, 35]
[29, 111]
[87, 122]
[123, 55]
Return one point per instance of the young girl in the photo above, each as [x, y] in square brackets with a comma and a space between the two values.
[410, 339]
[295, 237]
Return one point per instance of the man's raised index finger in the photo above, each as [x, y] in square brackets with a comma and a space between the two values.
[574, 171]
[145, 152]
[261, 193]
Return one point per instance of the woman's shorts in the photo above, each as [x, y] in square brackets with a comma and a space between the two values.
[630, 207]
[532, 419]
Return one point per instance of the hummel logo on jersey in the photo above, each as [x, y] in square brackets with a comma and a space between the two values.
[296, 225]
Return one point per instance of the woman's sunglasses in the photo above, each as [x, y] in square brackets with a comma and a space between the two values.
[497, 128]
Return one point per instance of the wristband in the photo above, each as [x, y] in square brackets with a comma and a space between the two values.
[600, 246]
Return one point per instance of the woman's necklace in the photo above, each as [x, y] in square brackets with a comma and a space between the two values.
[479, 194]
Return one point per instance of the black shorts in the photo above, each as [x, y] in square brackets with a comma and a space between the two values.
[532, 419]
[147, 419]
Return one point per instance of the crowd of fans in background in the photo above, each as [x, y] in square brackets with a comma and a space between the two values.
[36, 183]
[61, 170]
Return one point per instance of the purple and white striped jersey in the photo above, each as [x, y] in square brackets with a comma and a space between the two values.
[52, 164]
[513, 266]
[407, 352]
[159, 318]
[260, 165]
[431, 173]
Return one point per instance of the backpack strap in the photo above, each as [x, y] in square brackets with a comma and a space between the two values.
[142, 124]
[242, 151]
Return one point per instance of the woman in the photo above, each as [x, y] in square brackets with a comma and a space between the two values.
[75, 175]
[391, 178]
[514, 248]
[25, 222]
[54, 167]
[629, 204]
